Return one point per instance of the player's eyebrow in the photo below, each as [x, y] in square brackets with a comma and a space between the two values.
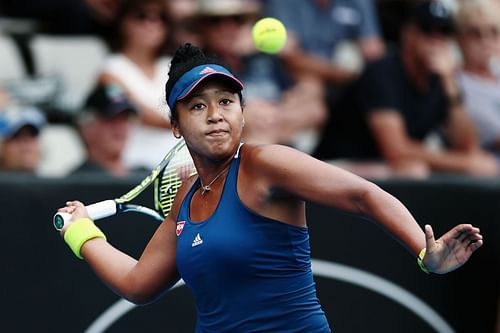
[204, 94]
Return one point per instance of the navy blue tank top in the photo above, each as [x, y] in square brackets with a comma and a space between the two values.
[248, 273]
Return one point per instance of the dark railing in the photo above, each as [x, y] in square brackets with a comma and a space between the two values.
[366, 281]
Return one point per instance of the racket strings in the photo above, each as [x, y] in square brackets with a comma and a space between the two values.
[179, 169]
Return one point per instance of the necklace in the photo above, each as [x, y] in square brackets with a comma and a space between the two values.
[206, 188]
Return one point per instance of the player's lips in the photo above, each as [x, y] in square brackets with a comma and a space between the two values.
[217, 132]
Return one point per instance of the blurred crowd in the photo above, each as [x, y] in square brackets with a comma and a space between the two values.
[383, 88]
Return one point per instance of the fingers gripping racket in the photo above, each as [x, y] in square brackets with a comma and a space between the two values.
[167, 177]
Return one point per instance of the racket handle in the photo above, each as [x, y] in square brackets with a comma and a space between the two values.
[102, 209]
[96, 211]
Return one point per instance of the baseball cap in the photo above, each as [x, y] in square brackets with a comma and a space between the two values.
[228, 7]
[209, 9]
[192, 78]
[108, 100]
[15, 117]
[433, 16]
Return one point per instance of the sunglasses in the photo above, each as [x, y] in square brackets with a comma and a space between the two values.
[491, 32]
[216, 20]
[149, 16]
[430, 29]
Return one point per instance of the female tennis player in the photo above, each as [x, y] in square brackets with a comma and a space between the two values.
[242, 249]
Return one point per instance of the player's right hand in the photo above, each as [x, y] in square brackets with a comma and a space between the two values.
[77, 211]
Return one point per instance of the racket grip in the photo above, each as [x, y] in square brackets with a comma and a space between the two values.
[102, 209]
[96, 211]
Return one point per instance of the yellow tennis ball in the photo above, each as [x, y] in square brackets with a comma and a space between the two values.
[269, 35]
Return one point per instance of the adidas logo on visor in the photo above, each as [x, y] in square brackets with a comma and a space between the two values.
[207, 70]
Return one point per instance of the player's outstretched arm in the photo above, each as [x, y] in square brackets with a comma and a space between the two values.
[319, 182]
[140, 281]
[452, 250]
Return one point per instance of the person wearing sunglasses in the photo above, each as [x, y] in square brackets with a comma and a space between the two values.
[478, 28]
[139, 64]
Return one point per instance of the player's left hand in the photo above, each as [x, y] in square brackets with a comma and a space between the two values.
[452, 250]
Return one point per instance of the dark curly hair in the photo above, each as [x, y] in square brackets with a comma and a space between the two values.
[185, 58]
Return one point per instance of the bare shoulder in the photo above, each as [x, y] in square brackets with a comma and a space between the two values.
[278, 162]
[272, 155]
[276, 166]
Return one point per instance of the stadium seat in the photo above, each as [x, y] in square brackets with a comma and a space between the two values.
[76, 60]
[11, 63]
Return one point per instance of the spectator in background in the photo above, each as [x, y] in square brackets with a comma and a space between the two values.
[140, 65]
[104, 126]
[20, 149]
[178, 11]
[478, 28]
[391, 18]
[401, 99]
[319, 26]
[278, 107]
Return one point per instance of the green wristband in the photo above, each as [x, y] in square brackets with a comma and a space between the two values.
[79, 232]
[420, 260]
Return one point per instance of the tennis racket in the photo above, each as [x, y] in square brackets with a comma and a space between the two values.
[167, 177]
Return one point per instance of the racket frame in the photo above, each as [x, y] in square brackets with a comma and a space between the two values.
[110, 207]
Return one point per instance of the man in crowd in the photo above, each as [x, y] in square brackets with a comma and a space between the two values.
[104, 125]
[20, 149]
[400, 100]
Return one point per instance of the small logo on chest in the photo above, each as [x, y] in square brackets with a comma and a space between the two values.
[197, 241]
[180, 226]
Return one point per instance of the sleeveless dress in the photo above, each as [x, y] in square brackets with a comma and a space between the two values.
[248, 273]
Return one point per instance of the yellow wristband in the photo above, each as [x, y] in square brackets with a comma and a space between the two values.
[79, 232]
[420, 261]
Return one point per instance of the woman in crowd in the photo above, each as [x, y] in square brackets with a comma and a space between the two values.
[478, 25]
[139, 64]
